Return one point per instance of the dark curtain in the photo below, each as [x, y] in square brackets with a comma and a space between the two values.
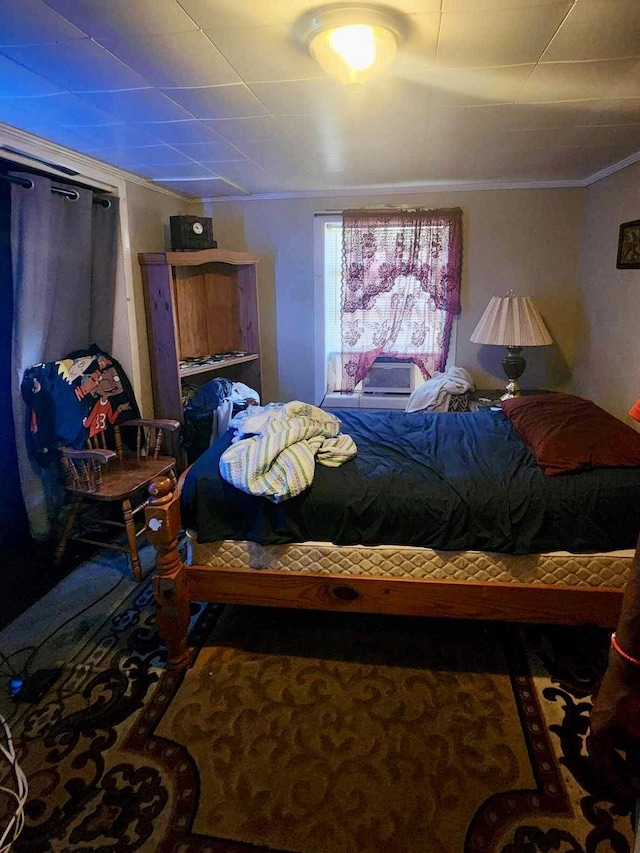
[63, 255]
[14, 525]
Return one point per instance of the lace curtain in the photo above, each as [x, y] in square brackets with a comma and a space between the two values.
[401, 275]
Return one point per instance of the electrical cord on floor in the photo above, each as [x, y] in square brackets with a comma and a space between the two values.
[16, 678]
[6, 660]
[18, 793]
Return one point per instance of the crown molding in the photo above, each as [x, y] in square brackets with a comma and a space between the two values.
[610, 170]
[29, 150]
[405, 189]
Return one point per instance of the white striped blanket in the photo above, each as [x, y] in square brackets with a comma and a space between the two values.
[274, 452]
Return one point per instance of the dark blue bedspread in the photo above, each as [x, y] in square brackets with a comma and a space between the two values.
[448, 481]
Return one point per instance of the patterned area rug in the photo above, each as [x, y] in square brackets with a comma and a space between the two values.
[319, 733]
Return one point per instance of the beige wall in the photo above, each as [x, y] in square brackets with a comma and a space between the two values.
[607, 364]
[528, 240]
[556, 245]
[149, 211]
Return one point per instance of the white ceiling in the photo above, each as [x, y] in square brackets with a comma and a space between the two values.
[214, 98]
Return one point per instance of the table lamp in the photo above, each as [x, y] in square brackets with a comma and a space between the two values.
[513, 322]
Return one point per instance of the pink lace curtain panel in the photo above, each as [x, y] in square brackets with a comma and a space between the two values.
[401, 275]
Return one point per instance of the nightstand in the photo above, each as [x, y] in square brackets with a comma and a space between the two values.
[485, 399]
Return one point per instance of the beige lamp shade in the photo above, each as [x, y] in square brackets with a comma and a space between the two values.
[511, 321]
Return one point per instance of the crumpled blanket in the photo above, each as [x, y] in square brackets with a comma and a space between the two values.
[434, 395]
[274, 452]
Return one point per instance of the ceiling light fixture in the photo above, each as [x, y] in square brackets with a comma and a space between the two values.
[351, 41]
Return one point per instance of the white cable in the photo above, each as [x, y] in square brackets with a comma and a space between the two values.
[14, 827]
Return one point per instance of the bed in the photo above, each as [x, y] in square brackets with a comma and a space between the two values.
[527, 513]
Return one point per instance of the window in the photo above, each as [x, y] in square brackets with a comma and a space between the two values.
[332, 238]
[380, 311]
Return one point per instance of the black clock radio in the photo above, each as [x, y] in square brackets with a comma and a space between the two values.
[190, 233]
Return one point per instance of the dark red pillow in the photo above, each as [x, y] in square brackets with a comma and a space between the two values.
[567, 433]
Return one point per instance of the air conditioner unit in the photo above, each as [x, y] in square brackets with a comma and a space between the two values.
[391, 376]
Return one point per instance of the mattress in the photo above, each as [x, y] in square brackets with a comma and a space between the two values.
[602, 570]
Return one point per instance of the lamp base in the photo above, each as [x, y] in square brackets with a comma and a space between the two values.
[513, 365]
[513, 390]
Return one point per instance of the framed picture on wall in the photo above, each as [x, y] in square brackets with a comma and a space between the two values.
[629, 246]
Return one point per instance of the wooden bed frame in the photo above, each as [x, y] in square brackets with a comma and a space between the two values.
[176, 584]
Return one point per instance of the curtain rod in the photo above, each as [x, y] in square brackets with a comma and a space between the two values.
[392, 208]
[27, 183]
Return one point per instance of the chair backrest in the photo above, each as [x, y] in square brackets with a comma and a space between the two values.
[83, 412]
[83, 469]
[145, 443]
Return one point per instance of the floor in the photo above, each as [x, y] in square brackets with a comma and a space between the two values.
[31, 571]
[48, 611]
[30, 574]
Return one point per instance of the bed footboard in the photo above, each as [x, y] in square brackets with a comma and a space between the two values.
[169, 583]
[176, 584]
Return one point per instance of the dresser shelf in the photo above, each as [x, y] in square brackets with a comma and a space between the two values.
[217, 365]
[198, 304]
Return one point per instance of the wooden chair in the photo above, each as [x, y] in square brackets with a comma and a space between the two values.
[104, 474]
